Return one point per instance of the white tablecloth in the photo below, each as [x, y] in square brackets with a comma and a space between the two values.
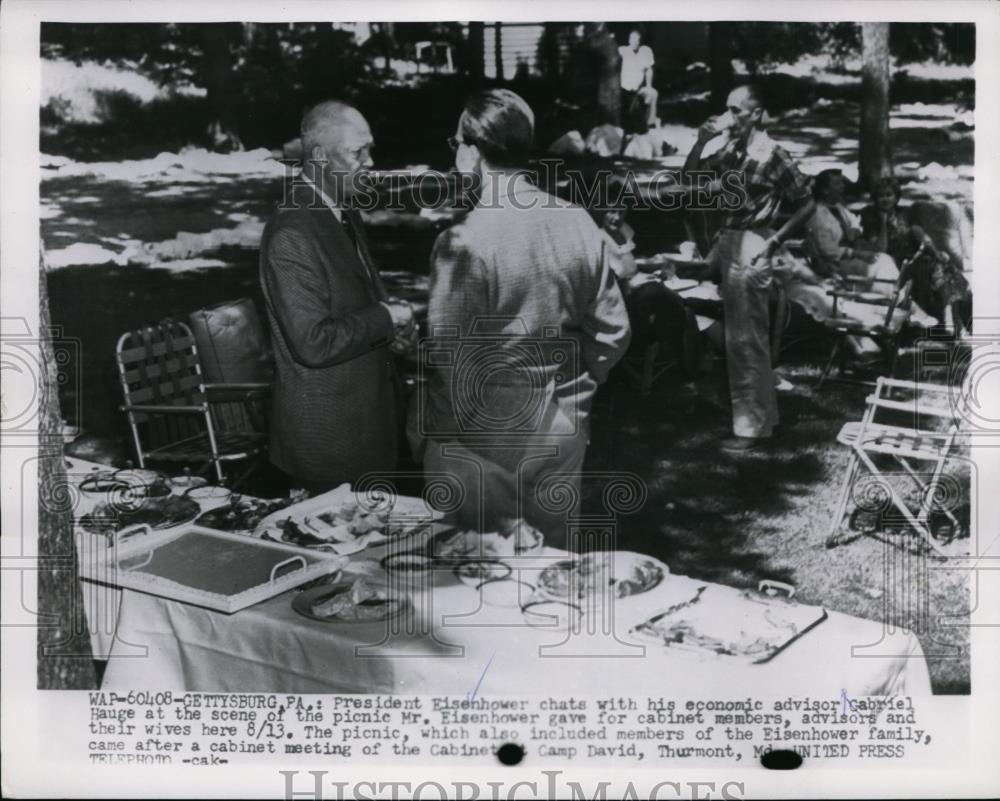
[270, 647]
[450, 642]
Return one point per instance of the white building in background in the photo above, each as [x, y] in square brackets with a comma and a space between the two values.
[518, 48]
[362, 30]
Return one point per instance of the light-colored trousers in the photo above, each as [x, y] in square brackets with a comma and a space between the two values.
[746, 289]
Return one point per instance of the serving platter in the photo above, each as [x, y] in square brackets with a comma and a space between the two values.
[727, 623]
[343, 523]
[157, 513]
[241, 514]
[623, 574]
[457, 547]
[205, 567]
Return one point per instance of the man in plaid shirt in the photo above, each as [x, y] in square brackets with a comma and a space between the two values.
[753, 169]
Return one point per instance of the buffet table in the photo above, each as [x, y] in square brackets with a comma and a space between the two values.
[454, 640]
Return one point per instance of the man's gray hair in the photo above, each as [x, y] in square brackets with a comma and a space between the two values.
[323, 119]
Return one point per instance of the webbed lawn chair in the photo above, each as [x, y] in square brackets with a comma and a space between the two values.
[169, 405]
[874, 437]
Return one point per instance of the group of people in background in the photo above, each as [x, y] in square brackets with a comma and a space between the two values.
[872, 248]
[533, 302]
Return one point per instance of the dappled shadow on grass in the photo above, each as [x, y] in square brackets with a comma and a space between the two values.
[702, 503]
[131, 129]
[738, 520]
[123, 210]
[926, 145]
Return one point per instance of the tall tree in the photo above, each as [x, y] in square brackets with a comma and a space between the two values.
[874, 157]
[604, 48]
[498, 49]
[475, 47]
[548, 50]
[64, 657]
[720, 60]
[218, 40]
[388, 31]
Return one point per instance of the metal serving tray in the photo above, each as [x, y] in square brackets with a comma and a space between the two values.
[205, 567]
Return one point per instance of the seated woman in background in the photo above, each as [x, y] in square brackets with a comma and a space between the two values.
[656, 313]
[939, 286]
[835, 252]
[834, 241]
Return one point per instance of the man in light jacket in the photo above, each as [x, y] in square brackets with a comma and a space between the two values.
[525, 321]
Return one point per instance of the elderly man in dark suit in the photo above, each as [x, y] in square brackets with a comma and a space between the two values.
[333, 326]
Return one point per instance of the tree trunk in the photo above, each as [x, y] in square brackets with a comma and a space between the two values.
[548, 50]
[609, 89]
[329, 58]
[498, 49]
[874, 157]
[388, 43]
[720, 61]
[474, 52]
[65, 661]
[217, 39]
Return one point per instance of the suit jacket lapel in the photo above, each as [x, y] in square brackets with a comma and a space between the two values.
[305, 196]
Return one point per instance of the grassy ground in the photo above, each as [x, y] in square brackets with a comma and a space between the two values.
[739, 520]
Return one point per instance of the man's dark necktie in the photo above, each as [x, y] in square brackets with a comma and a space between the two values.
[347, 220]
[352, 225]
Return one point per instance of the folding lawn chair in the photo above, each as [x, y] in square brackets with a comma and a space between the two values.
[169, 405]
[886, 333]
[873, 438]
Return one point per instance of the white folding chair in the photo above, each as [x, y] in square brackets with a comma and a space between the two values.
[873, 437]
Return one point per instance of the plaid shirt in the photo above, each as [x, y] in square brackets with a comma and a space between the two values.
[769, 176]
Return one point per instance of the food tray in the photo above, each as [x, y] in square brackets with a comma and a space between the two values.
[204, 567]
[241, 516]
[305, 601]
[403, 516]
[119, 513]
[457, 547]
[727, 623]
[622, 573]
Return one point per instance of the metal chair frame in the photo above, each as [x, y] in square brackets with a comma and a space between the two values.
[886, 333]
[906, 446]
[168, 404]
